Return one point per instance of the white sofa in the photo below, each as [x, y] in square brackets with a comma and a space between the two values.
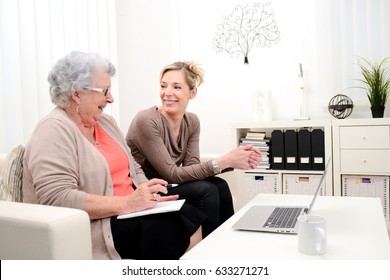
[31, 231]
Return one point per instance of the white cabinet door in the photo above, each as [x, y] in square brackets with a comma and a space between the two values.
[365, 137]
[365, 161]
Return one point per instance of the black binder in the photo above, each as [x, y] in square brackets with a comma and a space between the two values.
[277, 149]
[291, 149]
[318, 149]
[304, 149]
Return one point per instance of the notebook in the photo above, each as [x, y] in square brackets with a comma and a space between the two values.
[160, 207]
[275, 218]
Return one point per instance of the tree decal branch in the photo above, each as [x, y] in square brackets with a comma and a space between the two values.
[244, 28]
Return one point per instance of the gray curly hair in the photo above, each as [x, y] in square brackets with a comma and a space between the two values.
[74, 72]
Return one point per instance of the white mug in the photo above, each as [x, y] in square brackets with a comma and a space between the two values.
[312, 235]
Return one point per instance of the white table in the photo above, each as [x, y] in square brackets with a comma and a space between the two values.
[356, 229]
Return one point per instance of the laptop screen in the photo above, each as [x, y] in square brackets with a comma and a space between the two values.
[318, 187]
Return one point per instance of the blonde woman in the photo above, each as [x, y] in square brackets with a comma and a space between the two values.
[164, 140]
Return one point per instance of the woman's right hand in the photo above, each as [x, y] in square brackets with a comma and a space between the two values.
[148, 193]
[243, 157]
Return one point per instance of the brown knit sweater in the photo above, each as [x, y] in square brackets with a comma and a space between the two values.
[160, 155]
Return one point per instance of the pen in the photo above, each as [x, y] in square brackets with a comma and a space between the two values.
[172, 185]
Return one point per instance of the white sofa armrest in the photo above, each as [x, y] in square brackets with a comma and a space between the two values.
[32, 231]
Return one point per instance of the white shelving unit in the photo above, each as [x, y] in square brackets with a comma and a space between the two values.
[239, 130]
[361, 158]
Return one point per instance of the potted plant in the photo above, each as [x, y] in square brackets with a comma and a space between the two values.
[377, 84]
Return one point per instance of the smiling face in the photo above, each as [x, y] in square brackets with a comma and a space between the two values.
[91, 102]
[175, 93]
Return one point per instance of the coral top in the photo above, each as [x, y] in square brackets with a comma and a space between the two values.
[117, 161]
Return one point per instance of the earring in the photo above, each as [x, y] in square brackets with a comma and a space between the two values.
[77, 109]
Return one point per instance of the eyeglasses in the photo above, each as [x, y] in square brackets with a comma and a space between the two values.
[104, 90]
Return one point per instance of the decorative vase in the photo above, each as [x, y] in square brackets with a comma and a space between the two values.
[377, 111]
[262, 105]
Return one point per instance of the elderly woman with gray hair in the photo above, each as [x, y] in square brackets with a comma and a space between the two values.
[77, 157]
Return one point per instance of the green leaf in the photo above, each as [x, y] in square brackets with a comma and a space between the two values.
[376, 80]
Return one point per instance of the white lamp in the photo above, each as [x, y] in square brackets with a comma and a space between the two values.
[301, 85]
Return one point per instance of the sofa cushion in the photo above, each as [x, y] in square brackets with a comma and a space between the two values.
[2, 160]
[12, 175]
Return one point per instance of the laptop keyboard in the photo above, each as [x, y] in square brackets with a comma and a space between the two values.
[283, 217]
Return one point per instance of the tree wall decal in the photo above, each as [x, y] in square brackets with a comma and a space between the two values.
[244, 28]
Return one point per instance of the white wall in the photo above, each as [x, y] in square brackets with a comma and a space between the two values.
[326, 36]
[144, 47]
[142, 36]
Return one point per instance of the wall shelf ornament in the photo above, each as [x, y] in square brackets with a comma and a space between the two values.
[244, 28]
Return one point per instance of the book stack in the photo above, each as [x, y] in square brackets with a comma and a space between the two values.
[259, 140]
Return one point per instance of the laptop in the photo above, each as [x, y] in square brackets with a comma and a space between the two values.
[275, 218]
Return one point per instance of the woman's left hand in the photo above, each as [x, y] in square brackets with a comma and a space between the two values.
[243, 157]
[254, 157]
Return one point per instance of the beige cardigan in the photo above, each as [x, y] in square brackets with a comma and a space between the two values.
[61, 166]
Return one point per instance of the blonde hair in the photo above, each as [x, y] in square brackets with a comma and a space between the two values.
[193, 73]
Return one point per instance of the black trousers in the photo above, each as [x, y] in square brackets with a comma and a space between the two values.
[212, 196]
[164, 236]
